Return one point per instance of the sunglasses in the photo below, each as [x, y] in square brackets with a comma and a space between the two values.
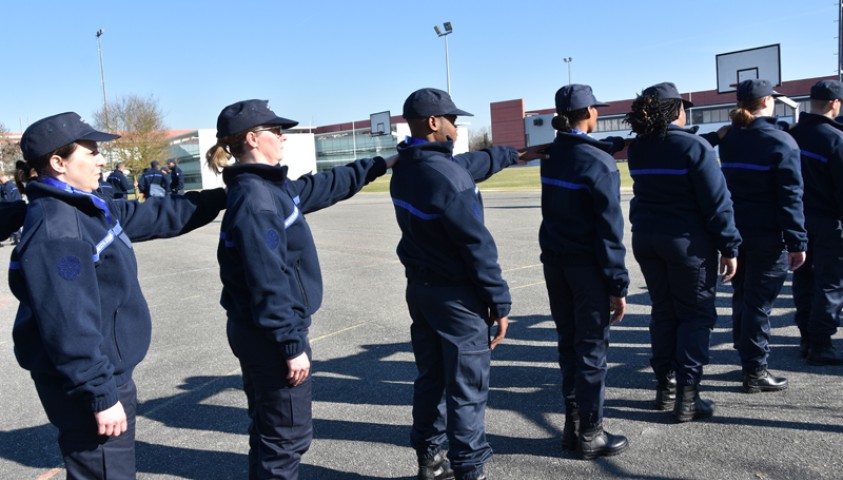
[276, 130]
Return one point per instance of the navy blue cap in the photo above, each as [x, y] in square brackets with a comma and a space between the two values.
[827, 90]
[755, 88]
[576, 97]
[241, 116]
[430, 102]
[49, 134]
[666, 91]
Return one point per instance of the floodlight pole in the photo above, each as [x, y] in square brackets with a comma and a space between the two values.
[568, 61]
[448, 30]
[840, 41]
[102, 79]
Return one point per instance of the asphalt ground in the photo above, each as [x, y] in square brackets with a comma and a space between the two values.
[192, 413]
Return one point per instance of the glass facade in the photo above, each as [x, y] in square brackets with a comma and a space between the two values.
[185, 151]
[340, 148]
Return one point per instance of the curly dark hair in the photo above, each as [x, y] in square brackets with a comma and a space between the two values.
[651, 116]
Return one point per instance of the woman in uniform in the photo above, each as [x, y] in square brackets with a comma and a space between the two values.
[581, 238]
[270, 275]
[83, 324]
[762, 168]
[681, 217]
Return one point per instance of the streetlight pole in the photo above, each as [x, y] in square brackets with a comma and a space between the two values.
[102, 79]
[448, 30]
[840, 41]
[568, 61]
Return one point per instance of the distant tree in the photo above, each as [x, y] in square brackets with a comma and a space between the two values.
[140, 124]
[480, 139]
[9, 150]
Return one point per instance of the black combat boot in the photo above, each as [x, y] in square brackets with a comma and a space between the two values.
[762, 381]
[689, 406]
[435, 467]
[824, 353]
[596, 442]
[666, 392]
[571, 430]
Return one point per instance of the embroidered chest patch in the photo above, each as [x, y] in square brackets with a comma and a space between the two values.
[272, 239]
[69, 267]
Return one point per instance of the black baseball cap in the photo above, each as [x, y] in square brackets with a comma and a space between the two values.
[241, 116]
[430, 102]
[755, 88]
[576, 97]
[49, 134]
[827, 90]
[666, 91]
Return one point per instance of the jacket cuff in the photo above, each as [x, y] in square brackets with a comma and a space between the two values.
[292, 348]
[501, 310]
[377, 169]
[618, 290]
[105, 400]
[797, 247]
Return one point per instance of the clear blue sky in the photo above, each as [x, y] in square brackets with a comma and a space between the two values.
[330, 61]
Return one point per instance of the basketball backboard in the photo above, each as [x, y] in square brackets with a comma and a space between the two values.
[735, 67]
[381, 123]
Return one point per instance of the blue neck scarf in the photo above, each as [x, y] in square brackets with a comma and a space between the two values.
[97, 201]
[579, 132]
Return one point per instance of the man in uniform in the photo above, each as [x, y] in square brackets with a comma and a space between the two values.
[820, 140]
[455, 291]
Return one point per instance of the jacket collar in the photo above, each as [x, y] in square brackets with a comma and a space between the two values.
[274, 174]
[565, 137]
[815, 119]
[36, 189]
[418, 151]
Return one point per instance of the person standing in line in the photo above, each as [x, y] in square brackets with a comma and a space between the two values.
[119, 183]
[270, 273]
[681, 216]
[153, 182]
[760, 162]
[581, 239]
[176, 178]
[83, 324]
[455, 291]
[9, 193]
[818, 286]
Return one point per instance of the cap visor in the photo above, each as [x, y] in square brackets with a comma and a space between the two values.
[601, 104]
[460, 113]
[284, 122]
[99, 136]
[687, 104]
[776, 94]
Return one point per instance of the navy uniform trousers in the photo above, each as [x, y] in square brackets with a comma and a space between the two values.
[818, 291]
[762, 269]
[450, 340]
[88, 455]
[281, 416]
[681, 276]
[579, 306]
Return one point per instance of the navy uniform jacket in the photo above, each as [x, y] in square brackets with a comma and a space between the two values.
[105, 190]
[120, 184]
[680, 190]
[82, 316]
[761, 165]
[9, 192]
[440, 212]
[821, 142]
[153, 183]
[11, 217]
[176, 180]
[268, 264]
[582, 221]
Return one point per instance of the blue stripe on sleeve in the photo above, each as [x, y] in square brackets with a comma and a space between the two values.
[561, 183]
[814, 156]
[747, 166]
[659, 171]
[414, 211]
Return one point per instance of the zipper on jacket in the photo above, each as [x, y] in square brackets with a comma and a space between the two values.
[301, 285]
[116, 343]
